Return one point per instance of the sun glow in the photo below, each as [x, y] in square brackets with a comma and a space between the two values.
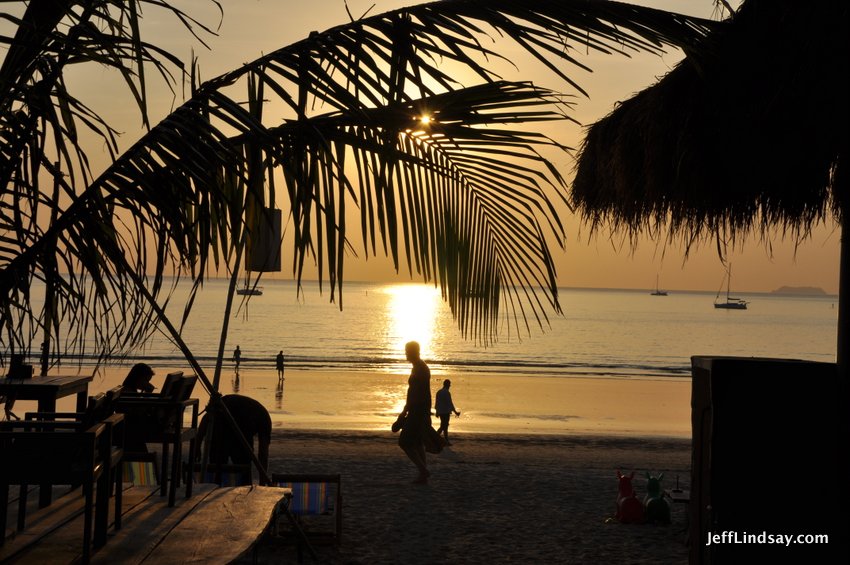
[412, 316]
[425, 120]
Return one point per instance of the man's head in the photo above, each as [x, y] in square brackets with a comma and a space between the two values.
[411, 350]
[447, 383]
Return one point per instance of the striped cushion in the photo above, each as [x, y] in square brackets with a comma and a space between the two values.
[140, 473]
[307, 498]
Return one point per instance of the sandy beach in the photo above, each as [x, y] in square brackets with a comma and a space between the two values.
[491, 498]
[530, 477]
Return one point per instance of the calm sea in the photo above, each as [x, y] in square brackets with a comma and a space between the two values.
[615, 361]
[600, 333]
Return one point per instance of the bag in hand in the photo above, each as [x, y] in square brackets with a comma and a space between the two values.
[399, 422]
[433, 441]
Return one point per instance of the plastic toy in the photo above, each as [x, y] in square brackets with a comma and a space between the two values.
[656, 507]
[629, 508]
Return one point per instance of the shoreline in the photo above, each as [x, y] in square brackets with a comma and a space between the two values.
[369, 401]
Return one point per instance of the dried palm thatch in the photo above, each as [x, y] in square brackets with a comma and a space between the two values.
[743, 136]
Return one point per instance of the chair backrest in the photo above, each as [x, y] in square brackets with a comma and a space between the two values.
[186, 386]
[59, 457]
[100, 406]
[171, 385]
[114, 393]
[95, 410]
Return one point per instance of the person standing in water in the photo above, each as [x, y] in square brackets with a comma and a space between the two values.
[416, 414]
[279, 361]
[237, 356]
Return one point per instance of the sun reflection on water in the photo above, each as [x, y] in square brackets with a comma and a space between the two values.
[412, 316]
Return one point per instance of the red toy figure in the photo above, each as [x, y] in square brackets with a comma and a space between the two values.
[629, 508]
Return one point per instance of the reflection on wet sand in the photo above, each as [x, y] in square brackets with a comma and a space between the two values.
[278, 395]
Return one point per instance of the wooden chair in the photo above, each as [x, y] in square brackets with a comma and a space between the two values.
[100, 409]
[160, 418]
[47, 453]
[315, 500]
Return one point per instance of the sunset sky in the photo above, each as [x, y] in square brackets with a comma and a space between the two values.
[253, 27]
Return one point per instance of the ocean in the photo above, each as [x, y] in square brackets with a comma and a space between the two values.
[621, 333]
[614, 362]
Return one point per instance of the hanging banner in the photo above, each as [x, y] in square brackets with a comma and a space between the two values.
[264, 242]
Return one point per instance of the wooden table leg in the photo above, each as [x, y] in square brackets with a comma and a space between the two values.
[176, 457]
[163, 476]
[45, 490]
[82, 400]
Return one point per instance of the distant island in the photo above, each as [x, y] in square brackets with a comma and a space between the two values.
[800, 290]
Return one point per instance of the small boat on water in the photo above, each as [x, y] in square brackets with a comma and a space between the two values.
[658, 291]
[731, 302]
[250, 291]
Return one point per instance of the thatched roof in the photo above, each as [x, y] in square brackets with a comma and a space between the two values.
[745, 132]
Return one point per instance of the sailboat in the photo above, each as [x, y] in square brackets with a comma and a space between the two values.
[731, 303]
[658, 291]
[248, 289]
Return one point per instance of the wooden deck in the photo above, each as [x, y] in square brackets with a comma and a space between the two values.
[216, 525]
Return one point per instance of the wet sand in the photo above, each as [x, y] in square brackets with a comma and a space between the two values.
[369, 400]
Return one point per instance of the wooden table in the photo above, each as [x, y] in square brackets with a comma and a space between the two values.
[45, 390]
[217, 525]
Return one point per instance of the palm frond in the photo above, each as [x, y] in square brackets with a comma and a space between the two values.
[444, 202]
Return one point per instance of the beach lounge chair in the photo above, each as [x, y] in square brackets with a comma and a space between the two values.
[315, 500]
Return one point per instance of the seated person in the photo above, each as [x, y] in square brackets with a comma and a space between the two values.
[139, 379]
[253, 420]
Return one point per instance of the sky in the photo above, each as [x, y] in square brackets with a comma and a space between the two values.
[252, 27]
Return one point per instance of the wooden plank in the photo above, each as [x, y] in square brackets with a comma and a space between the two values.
[216, 525]
[224, 527]
[55, 533]
[146, 525]
[41, 522]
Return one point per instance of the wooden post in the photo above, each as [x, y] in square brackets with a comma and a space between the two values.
[842, 356]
